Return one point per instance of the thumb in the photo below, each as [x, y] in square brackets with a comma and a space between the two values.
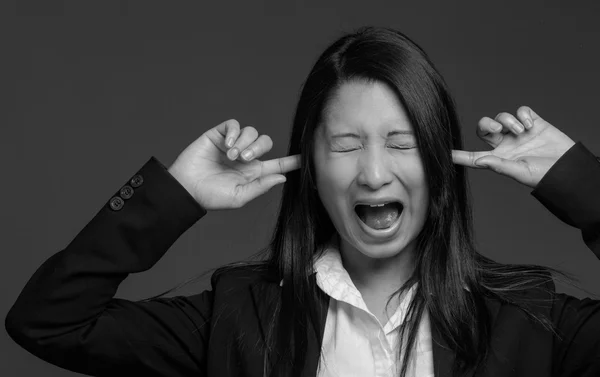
[260, 186]
[513, 169]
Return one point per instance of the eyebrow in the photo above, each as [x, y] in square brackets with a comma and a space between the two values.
[356, 136]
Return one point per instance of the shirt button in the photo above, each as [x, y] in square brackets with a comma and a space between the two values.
[126, 192]
[116, 203]
[137, 180]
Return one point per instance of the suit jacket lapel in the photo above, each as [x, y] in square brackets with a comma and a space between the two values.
[314, 345]
[266, 295]
[443, 355]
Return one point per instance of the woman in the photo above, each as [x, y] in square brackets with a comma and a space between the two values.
[371, 269]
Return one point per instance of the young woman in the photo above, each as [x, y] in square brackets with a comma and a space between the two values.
[371, 270]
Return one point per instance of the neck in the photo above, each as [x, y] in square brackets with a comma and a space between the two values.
[377, 276]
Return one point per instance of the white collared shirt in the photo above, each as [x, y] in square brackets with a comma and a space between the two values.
[355, 343]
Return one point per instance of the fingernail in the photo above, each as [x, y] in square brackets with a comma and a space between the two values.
[529, 123]
[229, 142]
[519, 128]
[233, 153]
[481, 164]
[247, 155]
[496, 127]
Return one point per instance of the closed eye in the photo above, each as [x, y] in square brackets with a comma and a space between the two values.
[401, 147]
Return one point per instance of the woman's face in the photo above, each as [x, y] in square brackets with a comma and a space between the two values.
[366, 152]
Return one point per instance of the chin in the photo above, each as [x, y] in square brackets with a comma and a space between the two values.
[385, 251]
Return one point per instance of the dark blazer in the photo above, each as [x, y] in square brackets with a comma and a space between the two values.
[68, 316]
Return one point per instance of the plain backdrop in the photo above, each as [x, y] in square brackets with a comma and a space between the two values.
[96, 88]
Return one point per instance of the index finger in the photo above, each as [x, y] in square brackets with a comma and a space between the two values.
[280, 165]
[467, 158]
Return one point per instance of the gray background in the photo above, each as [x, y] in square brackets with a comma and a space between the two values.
[96, 88]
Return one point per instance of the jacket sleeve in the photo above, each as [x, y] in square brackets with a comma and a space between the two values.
[571, 191]
[66, 314]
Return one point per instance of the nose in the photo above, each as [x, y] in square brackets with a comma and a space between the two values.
[374, 167]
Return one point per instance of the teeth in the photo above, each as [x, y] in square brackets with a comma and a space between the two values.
[376, 205]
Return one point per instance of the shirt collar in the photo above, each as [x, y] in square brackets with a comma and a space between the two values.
[334, 280]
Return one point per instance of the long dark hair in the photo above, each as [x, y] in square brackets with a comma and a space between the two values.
[453, 278]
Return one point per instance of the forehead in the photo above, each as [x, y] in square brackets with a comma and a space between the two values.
[366, 108]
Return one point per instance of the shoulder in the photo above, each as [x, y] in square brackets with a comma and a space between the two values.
[243, 274]
[534, 293]
[239, 286]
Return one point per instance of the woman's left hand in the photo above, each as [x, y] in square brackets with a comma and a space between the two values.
[525, 146]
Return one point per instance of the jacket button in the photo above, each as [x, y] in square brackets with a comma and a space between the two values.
[137, 180]
[116, 203]
[126, 192]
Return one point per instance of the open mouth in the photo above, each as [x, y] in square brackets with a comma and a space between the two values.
[380, 216]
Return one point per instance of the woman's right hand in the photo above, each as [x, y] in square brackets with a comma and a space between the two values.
[219, 178]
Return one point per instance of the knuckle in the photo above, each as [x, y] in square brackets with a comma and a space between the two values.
[482, 122]
[268, 142]
[233, 123]
[502, 117]
[251, 131]
[260, 146]
[487, 124]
